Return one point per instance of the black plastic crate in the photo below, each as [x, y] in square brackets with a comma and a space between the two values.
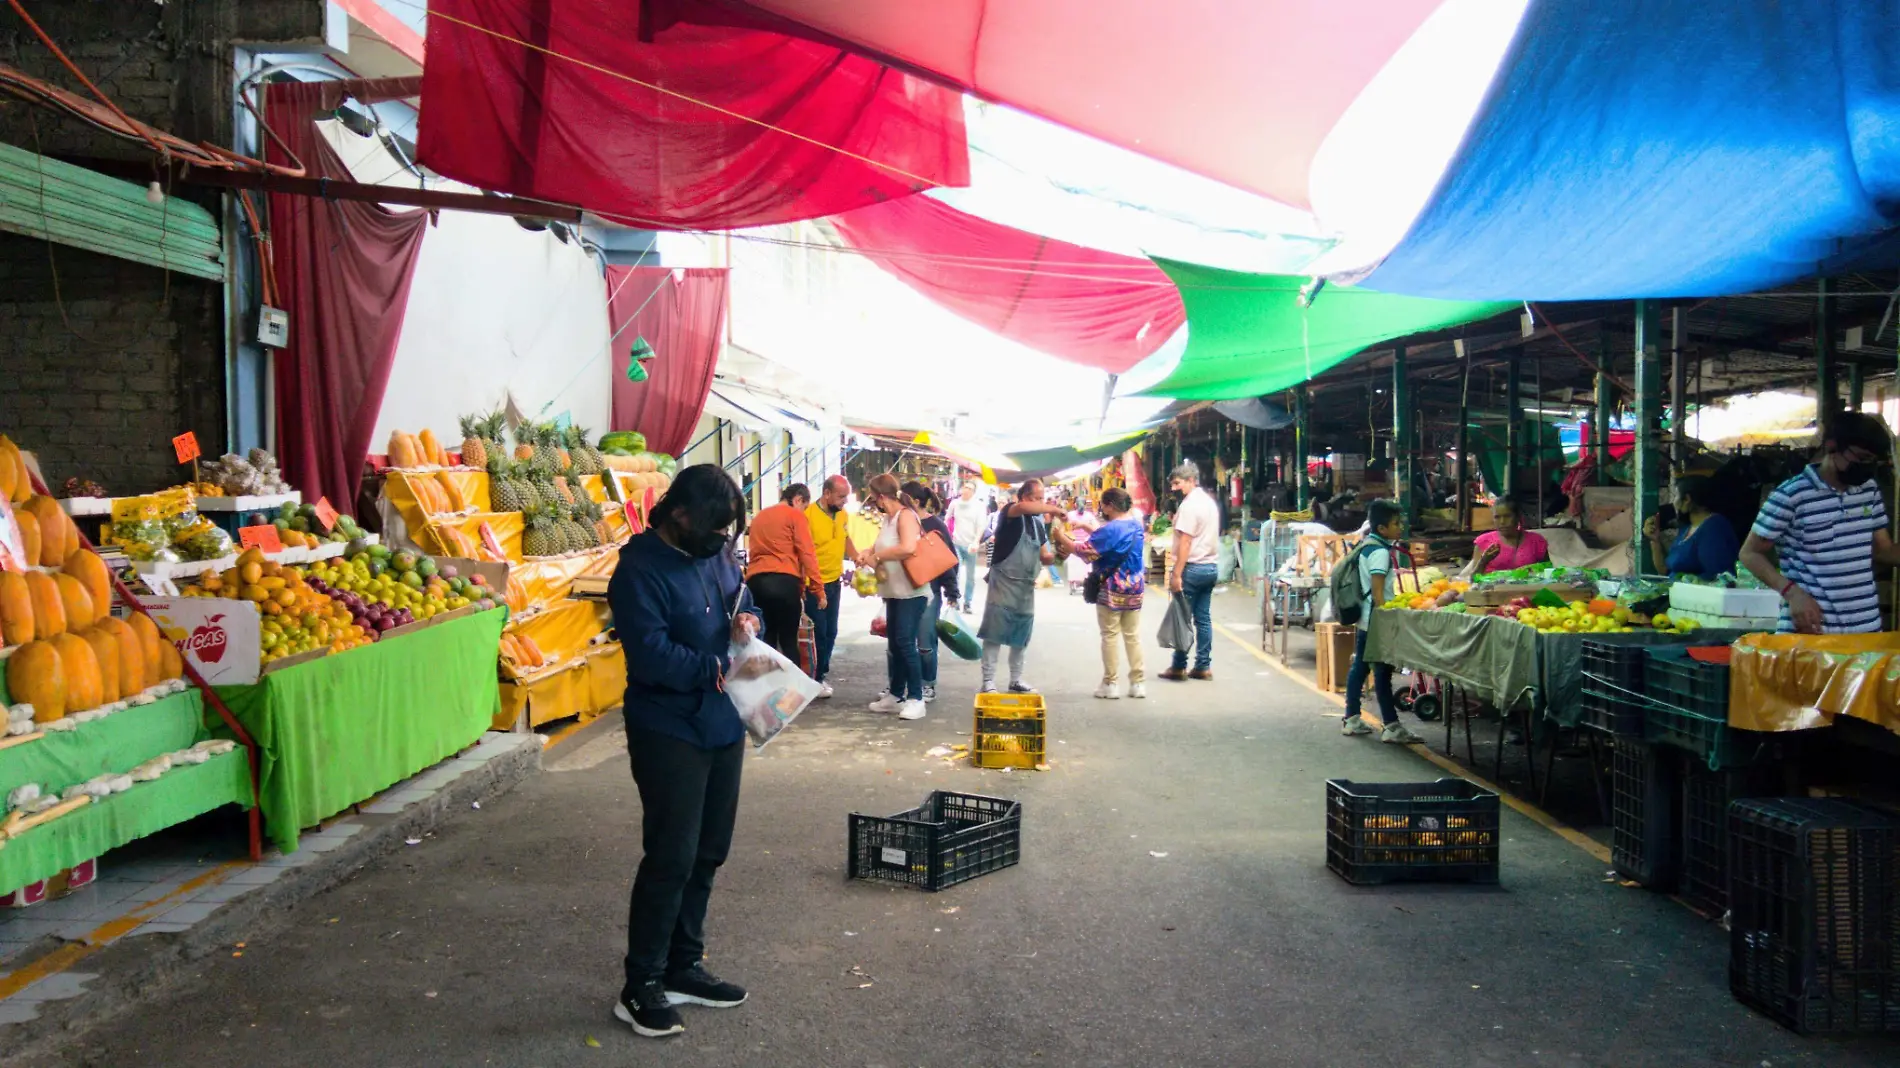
[1643, 817]
[1383, 832]
[1814, 913]
[1604, 709]
[951, 838]
[1686, 707]
[1706, 796]
[1616, 663]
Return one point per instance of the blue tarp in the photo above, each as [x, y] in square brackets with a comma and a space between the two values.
[1650, 148]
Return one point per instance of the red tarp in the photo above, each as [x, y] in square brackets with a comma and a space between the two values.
[343, 272]
[561, 121]
[1240, 92]
[1079, 304]
[682, 315]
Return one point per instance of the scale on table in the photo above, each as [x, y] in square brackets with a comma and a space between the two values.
[591, 587]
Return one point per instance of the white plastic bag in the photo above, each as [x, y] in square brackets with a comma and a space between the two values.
[768, 690]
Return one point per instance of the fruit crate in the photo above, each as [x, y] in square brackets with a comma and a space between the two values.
[1608, 710]
[1686, 706]
[1616, 664]
[951, 838]
[1814, 913]
[1384, 832]
[1643, 820]
[1010, 731]
[1706, 795]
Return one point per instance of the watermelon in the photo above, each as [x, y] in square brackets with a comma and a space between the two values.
[631, 440]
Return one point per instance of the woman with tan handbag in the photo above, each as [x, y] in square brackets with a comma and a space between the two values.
[904, 600]
[943, 584]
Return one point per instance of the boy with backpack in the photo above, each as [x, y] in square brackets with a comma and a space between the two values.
[1359, 587]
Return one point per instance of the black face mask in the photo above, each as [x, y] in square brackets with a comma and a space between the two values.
[1859, 472]
[703, 546]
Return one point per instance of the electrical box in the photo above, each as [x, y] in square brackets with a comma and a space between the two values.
[273, 326]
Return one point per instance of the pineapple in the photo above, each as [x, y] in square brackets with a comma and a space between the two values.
[579, 535]
[586, 459]
[474, 449]
[494, 430]
[540, 536]
[504, 491]
[525, 436]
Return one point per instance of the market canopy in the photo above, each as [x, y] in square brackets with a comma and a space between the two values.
[1041, 463]
[1249, 334]
[1083, 305]
[698, 127]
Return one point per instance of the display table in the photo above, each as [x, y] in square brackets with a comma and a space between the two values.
[584, 686]
[118, 743]
[336, 730]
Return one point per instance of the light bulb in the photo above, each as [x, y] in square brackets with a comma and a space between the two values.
[153, 194]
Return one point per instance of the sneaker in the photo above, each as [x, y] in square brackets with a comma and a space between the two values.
[649, 1011]
[886, 703]
[930, 694]
[1138, 691]
[1107, 692]
[988, 687]
[1021, 687]
[824, 690]
[1174, 674]
[911, 710]
[1202, 674]
[1399, 734]
[697, 986]
[1355, 725]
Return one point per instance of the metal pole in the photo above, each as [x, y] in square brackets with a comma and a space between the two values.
[1537, 441]
[1514, 427]
[1606, 401]
[1404, 456]
[1648, 458]
[1856, 386]
[1464, 441]
[1301, 442]
[1678, 390]
[1827, 388]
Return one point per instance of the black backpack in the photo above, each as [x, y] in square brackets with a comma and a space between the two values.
[1348, 599]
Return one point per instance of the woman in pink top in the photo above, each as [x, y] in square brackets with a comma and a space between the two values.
[1510, 546]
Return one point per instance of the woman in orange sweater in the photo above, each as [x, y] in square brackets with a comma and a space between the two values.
[781, 566]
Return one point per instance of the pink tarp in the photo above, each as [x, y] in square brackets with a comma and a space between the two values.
[1240, 92]
[682, 315]
[1079, 304]
[563, 101]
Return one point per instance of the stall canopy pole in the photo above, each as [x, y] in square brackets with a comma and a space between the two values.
[1464, 441]
[1404, 456]
[1827, 387]
[1246, 477]
[1606, 400]
[1514, 425]
[1678, 390]
[1648, 459]
[1537, 443]
[1301, 442]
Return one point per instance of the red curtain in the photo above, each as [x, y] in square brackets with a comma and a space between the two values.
[343, 273]
[682, 315]
[1084, 305]
[558, 117]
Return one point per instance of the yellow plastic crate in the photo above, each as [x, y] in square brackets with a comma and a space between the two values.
[1008, 731]
[1009, 704]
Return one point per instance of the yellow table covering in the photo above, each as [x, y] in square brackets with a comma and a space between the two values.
[584, 687]
[564, 629]
[1789, 682]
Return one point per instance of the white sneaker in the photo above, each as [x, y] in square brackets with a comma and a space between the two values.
[1107, 692]
[1399, 734]
[1138, 691]
[824, 690]
[911, 710]
[886, 703]
[1354, 726]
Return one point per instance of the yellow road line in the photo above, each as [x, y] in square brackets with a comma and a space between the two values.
[1525, 808]
[555, 738]
[103, 935]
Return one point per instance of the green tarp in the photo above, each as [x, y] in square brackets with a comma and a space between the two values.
[1041, 463]
[116, 744]
[1248, 335]
[335, 731]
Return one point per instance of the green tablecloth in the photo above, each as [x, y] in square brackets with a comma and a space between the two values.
[174, 797]
[118, 743]
[334, 731]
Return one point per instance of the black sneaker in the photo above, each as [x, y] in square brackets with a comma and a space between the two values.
[697, 986]
[649, 1011]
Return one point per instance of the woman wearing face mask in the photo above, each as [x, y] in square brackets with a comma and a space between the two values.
[1705, 545]
[943, 589]
[904, 603]
[678, 603]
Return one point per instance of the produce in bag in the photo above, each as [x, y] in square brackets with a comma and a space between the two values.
[959, 636]
[768, 690]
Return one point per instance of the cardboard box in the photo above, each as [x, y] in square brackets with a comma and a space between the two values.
[1333, 655]
[221, 638]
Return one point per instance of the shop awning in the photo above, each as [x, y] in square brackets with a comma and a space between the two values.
[1041, 463]
[757, 411]
[697, 127]
[52, 201]
[1248, 334]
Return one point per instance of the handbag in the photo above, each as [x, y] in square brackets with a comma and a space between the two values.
[1092, 587]
[932, 558]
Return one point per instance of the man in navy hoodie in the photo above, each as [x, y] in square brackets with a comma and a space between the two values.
[679, 603]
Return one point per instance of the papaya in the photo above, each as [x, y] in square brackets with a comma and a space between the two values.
[399, 452]
[105, 650]
[49, 611]
[29, 536]
[9, 474]
[81, 667]
[149, 642]
[16, 609]
[431, 448]
[456, 502]
[132, 672]
[171, 665]
[77, 603]
[35, 676]
[86, 566]
[53, 524]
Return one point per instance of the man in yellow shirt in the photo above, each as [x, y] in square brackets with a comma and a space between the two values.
[829, 523]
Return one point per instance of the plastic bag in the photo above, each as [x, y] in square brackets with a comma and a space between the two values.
[768, 690]
[1177, 627]
[959, 636]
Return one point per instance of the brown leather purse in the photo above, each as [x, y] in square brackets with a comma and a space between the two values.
[931, 559]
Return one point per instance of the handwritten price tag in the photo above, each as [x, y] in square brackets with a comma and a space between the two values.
[326, 514]
[261, 537]
[186, 446]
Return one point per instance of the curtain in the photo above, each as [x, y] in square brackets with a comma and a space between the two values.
[343, 273]
[564, 101]
[682, 315]
[1099, 309]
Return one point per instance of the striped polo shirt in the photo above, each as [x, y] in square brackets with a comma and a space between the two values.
[1824, 541]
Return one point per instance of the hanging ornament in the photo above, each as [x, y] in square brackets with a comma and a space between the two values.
[637, 357]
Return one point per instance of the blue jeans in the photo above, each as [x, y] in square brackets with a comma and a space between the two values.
[824, 625]
[1197, 584]
[927, 639]
[966, 560]
[901, 617]
[1356, 682]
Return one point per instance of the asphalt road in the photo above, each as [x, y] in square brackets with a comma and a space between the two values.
[498, 939]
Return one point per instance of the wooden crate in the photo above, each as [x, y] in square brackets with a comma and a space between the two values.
[1333, 655]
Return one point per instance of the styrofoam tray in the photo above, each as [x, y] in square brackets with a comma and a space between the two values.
[248, 504]
[1717, 601]
[86, 505]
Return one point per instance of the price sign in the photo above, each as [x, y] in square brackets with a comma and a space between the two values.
[326, 514]
[261, 537]
[186, 446]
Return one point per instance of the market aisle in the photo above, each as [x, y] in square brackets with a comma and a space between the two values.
[497, 940]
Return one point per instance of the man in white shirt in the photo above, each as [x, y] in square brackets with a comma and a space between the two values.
[1195, 569]
[969, 514]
